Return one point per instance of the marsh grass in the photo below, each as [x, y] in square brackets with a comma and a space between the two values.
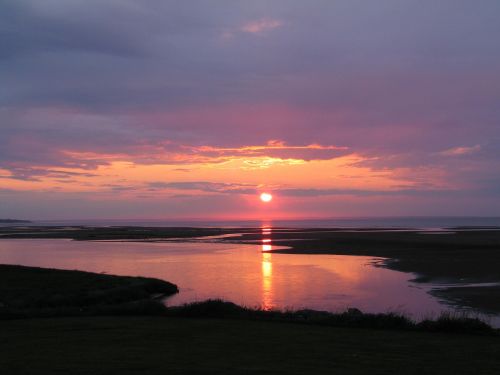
[351, 318]
[32, 291]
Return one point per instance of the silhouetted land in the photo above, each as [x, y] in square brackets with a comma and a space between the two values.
[83, 233]
[14, 221]
[456, 255]
[484, 298]
[32, 291]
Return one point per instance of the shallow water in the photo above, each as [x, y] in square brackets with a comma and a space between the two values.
[348, 222]
[244, 274]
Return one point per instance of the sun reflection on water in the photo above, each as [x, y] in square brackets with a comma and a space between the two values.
[267, 270]
[266, 230]
[267, 282]
[266, 248]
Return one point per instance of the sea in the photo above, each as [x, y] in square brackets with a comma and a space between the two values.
[418, 222]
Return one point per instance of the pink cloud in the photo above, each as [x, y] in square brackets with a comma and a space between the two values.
[458, 151]
[261, 25]
[277, 148]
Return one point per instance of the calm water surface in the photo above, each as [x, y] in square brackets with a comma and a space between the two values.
[352, 222]
[244, 274]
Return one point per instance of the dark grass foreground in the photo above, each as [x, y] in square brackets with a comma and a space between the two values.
[34, 292]
[158, 345]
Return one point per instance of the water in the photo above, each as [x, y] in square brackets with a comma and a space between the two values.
[422, 222]
[240, 273]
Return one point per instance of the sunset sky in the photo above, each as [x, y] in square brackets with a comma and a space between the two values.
[191, 109]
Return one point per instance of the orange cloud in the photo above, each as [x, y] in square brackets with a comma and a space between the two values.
[271, 145]
[277, 149]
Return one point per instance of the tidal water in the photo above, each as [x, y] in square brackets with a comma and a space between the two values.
[419, 222]
[245, 274]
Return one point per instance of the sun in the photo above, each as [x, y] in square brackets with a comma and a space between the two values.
[266, 197]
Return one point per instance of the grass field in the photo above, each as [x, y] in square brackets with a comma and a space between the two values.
[159, 345]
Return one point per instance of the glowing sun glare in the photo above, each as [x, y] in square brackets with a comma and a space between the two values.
[266, 197]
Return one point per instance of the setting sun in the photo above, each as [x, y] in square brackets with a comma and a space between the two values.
[266, 197]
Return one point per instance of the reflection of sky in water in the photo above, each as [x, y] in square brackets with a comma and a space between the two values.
[245, 274]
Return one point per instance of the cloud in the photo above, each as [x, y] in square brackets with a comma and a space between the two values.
[277, 149]
[87, 85]
[66, 139]
[261, 25]
[37, 174]
[459, 151]
[30, 27]
[208, 187]
[249, 189]
[360, 192]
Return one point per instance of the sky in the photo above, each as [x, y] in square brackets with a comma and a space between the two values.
[190, 109]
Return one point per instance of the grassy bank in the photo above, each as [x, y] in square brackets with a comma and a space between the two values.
[351, 318]
[32, 291]
[156, 345]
